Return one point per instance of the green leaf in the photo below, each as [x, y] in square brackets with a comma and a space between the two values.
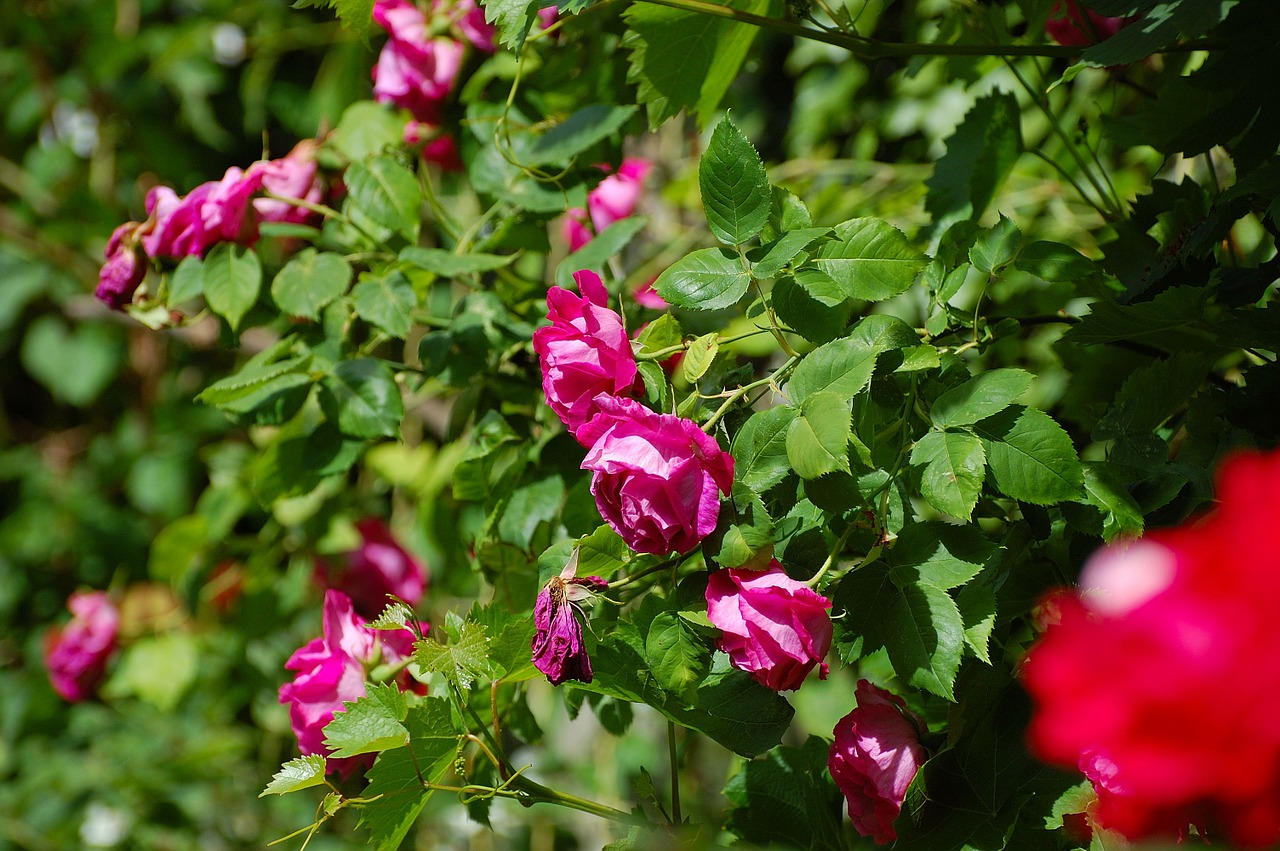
[686, 60]
[870, 259]
[365, 129]
[774, 257]
[1030, 457]
[1121, 515]
[954, 469]
[748, 541]
[979, 397]
[186, 282]
[157, 669]
[811, 304]
[386, 301]
[1162, 25]
[675, 654]
[254, 383]
[760, 448]
[232, 279]
[1175, 317]
[577, 133]
[384, 194]
[395, 795]
[461, 661]
[177, 548]
[662, 333]
[597, 253]
[450, 265]
[309, 281]
[996, 247]
[369, 724]
[939, 554]
[977, 604]
[845, 366]
[818, 438]
[1054, 262]
[699, 354]
[735, 188]
[513, 19]
[980, 154]
[300, 773]
[708, 279]
[75, 365]
[362, 398]
[787, 799]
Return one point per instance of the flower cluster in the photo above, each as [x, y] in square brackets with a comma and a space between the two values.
[1158, 678]
[375, 570]
[558, 650]
[334, 668]
[226, 210]
[771, 626]
[874, 758]
[614, 198]
[76, 654]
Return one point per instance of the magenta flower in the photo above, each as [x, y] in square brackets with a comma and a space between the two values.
[584, 352]
[873, 759]
[415, 70]
[294, 175]
[613, 199]
[377, 568]
[1070, 25]
[213, 212]
[656, 478]
[773, 627]
[332, 669]
[558, 650]
[469, 19]
[124, 269]
[76, 654]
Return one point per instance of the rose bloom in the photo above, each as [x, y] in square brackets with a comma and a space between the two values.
[415, 70]
[874, 758]
[1159, 677]
[1072, 26]
[558, 650]
[613, 199]
[657, 478]
[213, 212]
[772, 626]
[76, 653]
[124, 269]
[377, 568]
[334, 668]
[584, 352]
[294, 175]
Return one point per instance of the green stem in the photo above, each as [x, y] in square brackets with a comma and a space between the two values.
[535, 793]
[648, 571]
[710, 424]
[675, 773]
[832, 558]
[869, 48]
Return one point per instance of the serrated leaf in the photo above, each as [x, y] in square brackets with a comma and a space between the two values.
[845, 366]
[979, 397]
[1030, 457]
[309, 281]
[781, 251]
[699, 354]
[232, 279]
[748, 541]
[296, 774]
[450, 265]
[675, 654]
[735, 188]
[513, 19]
[818, 438]
[1174, 317]
[577, 133]
[787, 799]
[954, 469]
[386, 301]
[939, 554]
[461, 661]
[395, 616]
[708, 279]
[385, 194]
[1162, 25]
[256, 382]
[1121, 515]
[870, 259]
[996, 247]
[977, 604]
[662, 333]
[368, 724]
[760, 448]
[362, 398]
[811, 304]
[980, 154]
[1054, 262]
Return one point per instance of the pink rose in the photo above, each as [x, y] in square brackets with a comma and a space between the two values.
[557, 645]
[380, 566]
[294, 175]
[613, 199]
[469, 19]
[437, 146]
[213, 212]
[648, 297]
[1071, 26]
[584, 352]
[873, 759]
[656, 478]
[332, 669]
[124, 269]
[1157, 677]
[76, 654]
[414, 71]
[771, 626]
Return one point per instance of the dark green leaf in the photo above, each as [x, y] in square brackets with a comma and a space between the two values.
[760, 448]
[677, 657]
[577, 133]
[979, 397]
[979, 156]
[1054, 262]
[996, 247]
[385, 194]
[787, 798]
[1160, 27]
[940, 554]
[386, 301]
[1175, 317]
[708, 279]
[1030, 457]
[450, 265]
[735, 188]
[1103, 489]
[977, 604]
[818, 437]
[362, 398]
[954, 469]
[870, 259]
[310, 281]
[395, 792]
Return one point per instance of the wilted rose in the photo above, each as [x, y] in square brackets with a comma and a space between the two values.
[874, 758]
[772, 626]
[657, 478]
[124, 269]
[558, 649]
[584, 352]
[76, 653]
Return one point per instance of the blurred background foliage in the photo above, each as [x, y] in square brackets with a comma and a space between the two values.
[104, 457]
